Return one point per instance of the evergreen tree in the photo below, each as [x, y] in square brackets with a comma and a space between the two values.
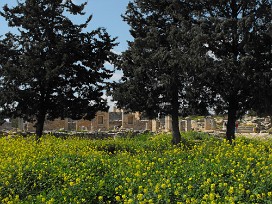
[53, 68]
[236, 36]
[263, 101]
[158, 65]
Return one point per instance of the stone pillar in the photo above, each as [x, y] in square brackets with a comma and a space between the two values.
[155, 125]
[168, 123]
[213, 124]
[76, 125]
[128, 120]
[123, 119]
[146, 126]
[194, 125]
[21, 124]
[188, 125]
[207, 123]
[182, 125]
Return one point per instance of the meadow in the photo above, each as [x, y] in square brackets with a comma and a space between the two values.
[144, 169]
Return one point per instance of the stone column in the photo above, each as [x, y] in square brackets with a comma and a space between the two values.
[194, 125]
[182, 125]
[207, 123]
[168, 123]
[146, 126]
[213, 124]
[76, 125]
[155, 125]
[123, 119]
[188, 124]
[21, 124]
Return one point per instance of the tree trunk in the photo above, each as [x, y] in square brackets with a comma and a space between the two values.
[39, 126]
[230, 135]
[176, 136]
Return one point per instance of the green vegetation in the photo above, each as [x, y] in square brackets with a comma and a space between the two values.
[144, 169]
[52, 67]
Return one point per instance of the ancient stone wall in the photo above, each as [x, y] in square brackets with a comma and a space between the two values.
[54, 125]
[120, 120]
[84, 125]
[115, 124]
[100, 122]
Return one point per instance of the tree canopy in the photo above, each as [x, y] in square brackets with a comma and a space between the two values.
[235, 34]
[159, 62]
[52, 67]
[190, 54]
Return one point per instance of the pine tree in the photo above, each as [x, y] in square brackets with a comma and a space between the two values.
[54, 68]
[158, 64]
[235, 34]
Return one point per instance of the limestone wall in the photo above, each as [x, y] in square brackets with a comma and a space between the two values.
[128, 120]
[84, 125]
[54, 125]
[115, 124]
[100, 122]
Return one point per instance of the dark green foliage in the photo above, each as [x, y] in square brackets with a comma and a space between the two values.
[159, 63]
[2, 121]
[214, 52]
[263, 102]
[52, 68]
[236, 35]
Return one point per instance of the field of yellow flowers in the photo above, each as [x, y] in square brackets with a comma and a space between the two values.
[146, 169]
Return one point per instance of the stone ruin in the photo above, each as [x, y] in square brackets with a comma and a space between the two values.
[120, 120]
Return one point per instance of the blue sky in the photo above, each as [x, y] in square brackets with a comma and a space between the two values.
[106, 13]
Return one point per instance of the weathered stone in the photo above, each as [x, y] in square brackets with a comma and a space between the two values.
[168, 123]
[209, 123]
[100, 122]
[182, 125]
[188, 124]
[155, 125]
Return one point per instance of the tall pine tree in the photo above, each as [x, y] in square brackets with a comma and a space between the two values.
[235, 34]
[159, 62]
[54, 68]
